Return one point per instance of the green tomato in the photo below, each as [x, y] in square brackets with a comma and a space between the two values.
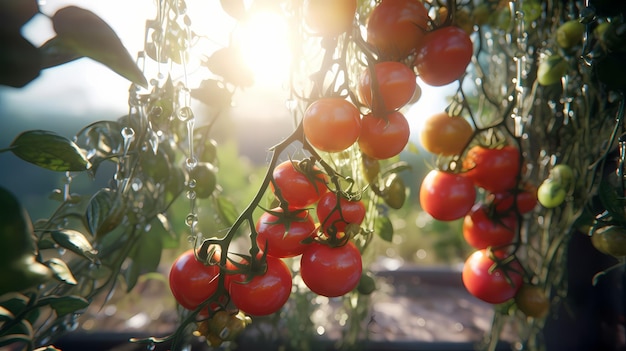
[563, 174]
[367, 284]
[551, 70]
[395, 191]
[570, 34]
[204, 175]
[610, 240]
[551, 193]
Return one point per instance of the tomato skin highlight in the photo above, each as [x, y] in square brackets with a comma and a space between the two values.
[495, 170]
[284, 240]
[191, 282]
[397, 27]
[331, 271]
[295, 187]
[263, 294]
[446, 196]
[395, 82]
[381, 139]
[446, 135]
[332, 124]
[482, 231]
[444, 56]
[490, 287]
[329, 215]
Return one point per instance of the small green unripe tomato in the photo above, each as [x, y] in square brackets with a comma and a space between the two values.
[570, 34]
[551, 70]
[551, 193]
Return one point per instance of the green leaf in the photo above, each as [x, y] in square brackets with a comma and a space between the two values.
[49, 150]
[76, 242]
[6, 340]
[13, 302]
[611, 201]
[162, 227]
[384, 228]
[226, 210]
[64, 305]
[5, 314]
[101, 140]
[144, 258]
[104, 212]
[17, 237]
[86, 34]
[61, 271]
[19, 59]
[55, 53]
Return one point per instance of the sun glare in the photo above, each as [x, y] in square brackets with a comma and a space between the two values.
[265, 45]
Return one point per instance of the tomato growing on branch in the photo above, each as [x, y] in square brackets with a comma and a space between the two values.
[335, 212]
[301, 184]
[395, 28]
[482, 229]
[283, 235]
[488, 284]
[331, 124]
[329, 17]
[446, 196]
[191, 281]
[331, 271]
[493, 169]
[262, 294]
[394, 86]
[444, 56]
[446, 135]
[383, 137]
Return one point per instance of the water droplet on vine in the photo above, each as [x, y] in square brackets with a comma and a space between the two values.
[185, 113]
[191, 194]
[192, 183]
[191, 163]
[191, 219]
[137, 184]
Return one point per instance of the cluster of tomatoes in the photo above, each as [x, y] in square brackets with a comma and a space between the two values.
[492, 273]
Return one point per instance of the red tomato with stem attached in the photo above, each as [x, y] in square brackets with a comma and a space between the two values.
[482, 229]
[282, 235]
[382, 138]
[394, 87]
[495, 170]
[397, 27]
[331, 124]
[446, 196]
[331, 271]
[491, 286]
[444, 56]
[329, 17]
[191, 281]
[337, 215]
[264, 294]
[299, 186]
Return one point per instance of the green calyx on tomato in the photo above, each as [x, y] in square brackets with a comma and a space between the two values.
[483, 229]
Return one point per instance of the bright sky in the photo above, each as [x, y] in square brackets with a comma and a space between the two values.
[92, 87]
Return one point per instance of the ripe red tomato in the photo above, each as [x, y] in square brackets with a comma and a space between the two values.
[444, 56]
[284, 239]
[382, 138]
[331, 215]
[525, 200]
[395, 84]
[482, 230]
[331, 124]
[299, 187]
[191, 282]
[331, 271]
[494, 170]
[263, 294]
[492, 287]
[446, 196]
[397, 27]
[329, 17]
[446, 135]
